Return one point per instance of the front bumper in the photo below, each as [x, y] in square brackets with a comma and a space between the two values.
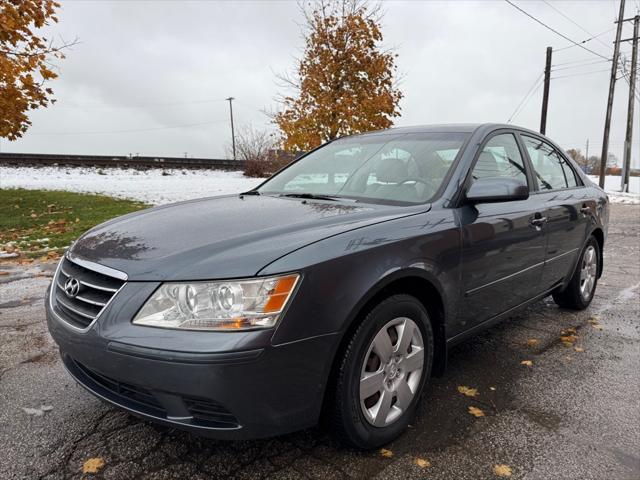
[257, 390]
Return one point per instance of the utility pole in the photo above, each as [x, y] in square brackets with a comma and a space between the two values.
[626, 162]
[612, 86]
[233, 135]
[545, 95]
[586, 157]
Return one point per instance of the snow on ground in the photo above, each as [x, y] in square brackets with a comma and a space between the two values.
[153, 187]
[612, 187]
[149, 186]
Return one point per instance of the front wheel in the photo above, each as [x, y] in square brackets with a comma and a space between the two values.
[382, 373]
[582, 286]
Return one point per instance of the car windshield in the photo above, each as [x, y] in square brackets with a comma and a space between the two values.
[385, 168]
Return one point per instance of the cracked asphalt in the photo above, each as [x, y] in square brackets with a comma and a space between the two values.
[571, 414]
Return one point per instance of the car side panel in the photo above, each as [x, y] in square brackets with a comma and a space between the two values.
[503, 257]
[341, 271]
[567, 229]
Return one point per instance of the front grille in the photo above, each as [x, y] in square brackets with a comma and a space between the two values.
[96, 289]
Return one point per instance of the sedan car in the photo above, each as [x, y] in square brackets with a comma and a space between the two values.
[334, 289]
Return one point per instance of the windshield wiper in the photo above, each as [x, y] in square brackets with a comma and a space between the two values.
[311, 196]
[251, 192]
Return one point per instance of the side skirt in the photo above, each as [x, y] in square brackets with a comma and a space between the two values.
[461, 337]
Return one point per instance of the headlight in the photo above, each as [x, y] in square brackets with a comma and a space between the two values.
[224, 305]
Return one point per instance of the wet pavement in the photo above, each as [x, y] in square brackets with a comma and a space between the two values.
[574, 412]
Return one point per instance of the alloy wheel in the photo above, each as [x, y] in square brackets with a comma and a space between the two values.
[391, 372]
[588, 272]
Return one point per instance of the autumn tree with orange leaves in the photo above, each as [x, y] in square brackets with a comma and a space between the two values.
[344, 82]
[25, 62]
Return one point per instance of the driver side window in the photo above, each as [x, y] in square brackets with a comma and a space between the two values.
[500, 157]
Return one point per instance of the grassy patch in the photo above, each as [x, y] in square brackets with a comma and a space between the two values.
[33, 222]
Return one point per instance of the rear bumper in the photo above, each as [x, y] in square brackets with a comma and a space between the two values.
[253, 393]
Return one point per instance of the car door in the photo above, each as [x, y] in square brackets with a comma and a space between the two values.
[567, 208]
[503, 244]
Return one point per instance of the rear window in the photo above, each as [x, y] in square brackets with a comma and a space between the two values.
[551, 169]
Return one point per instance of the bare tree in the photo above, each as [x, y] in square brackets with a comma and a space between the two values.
[260, 152]
[253, 144]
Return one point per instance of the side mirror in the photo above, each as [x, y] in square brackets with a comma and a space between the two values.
[497, 189]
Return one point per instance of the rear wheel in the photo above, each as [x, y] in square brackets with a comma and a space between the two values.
[382, 373]
[582, 286]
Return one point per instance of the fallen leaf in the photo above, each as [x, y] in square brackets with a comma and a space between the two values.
[93, 465]
[502, 470]
[476, 412]
[386, 453]
[593, 321]
[579, 349]
[422, 462]
[36, 412]
[33, 215]
[469, 392]
[532, 342]
[528, 363]
[597, 327]
[568, 340]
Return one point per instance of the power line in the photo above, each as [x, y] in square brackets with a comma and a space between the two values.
[593, 37]
[580, 74]
[526, 98]
[105, 132]
[577, 44]
[569, 67]
[586, 40]
[137, 105]
[575, 62]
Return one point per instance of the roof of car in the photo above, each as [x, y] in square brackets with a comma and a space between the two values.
[451, 127]
[447, 127]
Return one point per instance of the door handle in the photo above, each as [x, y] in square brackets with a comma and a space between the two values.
[538, 222]
[585, 210]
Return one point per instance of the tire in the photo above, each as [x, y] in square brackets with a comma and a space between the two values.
[357, 417]
[582, 286]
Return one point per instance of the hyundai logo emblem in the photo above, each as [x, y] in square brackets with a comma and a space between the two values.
[71, 287]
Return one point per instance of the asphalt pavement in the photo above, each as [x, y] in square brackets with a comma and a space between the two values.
[570, 411]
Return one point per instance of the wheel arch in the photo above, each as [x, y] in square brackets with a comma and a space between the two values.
[417, 283]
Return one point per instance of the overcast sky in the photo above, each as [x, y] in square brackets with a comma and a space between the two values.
[151, 77]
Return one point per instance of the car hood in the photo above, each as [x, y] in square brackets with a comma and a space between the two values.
[223, 237]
